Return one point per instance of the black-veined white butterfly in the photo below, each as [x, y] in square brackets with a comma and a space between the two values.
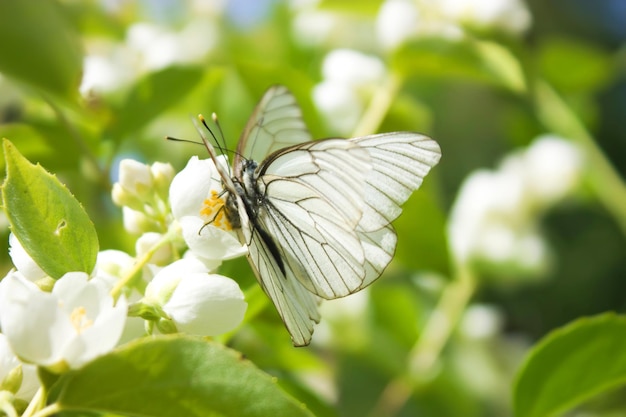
[316, 215]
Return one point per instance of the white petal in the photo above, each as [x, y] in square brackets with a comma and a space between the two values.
[31, 320]
[191, 186]
[22, 261]
[210, 242]
[135, 176]
[206, 305]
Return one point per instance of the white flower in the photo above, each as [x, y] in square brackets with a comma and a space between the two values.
[145, 243]
[495, 216]
[65, 328]
[508, 15]
[162, 176]
[349, 79]
[22, 261]
[353, 67]
[481, 321]
[197, 204]
[396, 22]
[135, 177]
[553, 168]
[339, 104]
[28, 383]
[196, 301]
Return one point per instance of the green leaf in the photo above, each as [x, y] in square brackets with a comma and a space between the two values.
[421, 231]
[40, 47]
[47, 220]
[571, 365]
[364, 7]
[151, 96]
[573, 66]
[475, 60]
[174, 376]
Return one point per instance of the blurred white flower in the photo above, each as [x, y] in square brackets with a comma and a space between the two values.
[75, 323]
[195, 301]
[109, 65]
[135, 177]
[507, 15]
[481, 321]
[553, 167]
[315, 27]
[353, 68]
[197, 204]
[24, 264]
[396, 22]
[495, 216]
[162, 176]
[400, 20]
[27, 381]
[349, 80]
[135, 221]
[340, 105]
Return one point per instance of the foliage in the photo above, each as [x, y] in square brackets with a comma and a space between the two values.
[506, 291]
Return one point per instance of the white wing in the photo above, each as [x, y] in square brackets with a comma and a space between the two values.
[296, 306]
[276, 123]
[328, 207]
[400, 161]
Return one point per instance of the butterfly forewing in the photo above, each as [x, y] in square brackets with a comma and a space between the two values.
[276, 123]
[399, 162]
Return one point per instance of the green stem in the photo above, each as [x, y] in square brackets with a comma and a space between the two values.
[423, 357]
[141, 262]
[443, 320]
[35, 404]
[604, 180]
[380, 103]
[50, 410]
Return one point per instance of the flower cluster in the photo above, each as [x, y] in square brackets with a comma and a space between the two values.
[400, 20]
[61, 324]
[182, 295]
[494, 220]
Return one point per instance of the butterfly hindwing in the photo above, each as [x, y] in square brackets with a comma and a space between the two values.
[296, 306]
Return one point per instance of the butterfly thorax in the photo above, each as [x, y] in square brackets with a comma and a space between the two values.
[245, 186]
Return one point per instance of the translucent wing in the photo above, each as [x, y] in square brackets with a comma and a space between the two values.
[329, 204]
[276, 123]
[296, 306]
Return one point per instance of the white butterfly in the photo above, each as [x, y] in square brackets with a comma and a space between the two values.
[316, 215]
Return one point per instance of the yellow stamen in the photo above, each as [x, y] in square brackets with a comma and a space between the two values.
[214, 213]
[79, 319]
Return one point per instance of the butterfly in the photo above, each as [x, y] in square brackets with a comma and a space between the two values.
[316, 215]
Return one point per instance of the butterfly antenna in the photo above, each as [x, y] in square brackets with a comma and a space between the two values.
[218, 144]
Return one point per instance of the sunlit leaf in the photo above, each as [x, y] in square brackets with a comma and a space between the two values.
[571, 365]
[40, 47]
[46, 218]
[150, 97]
[175, 376]
[474, 60]
[574, 66]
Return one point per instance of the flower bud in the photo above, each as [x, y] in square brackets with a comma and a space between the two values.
[135, 178]
[162, 176]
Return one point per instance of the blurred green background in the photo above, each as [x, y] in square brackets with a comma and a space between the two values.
[84, 84]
